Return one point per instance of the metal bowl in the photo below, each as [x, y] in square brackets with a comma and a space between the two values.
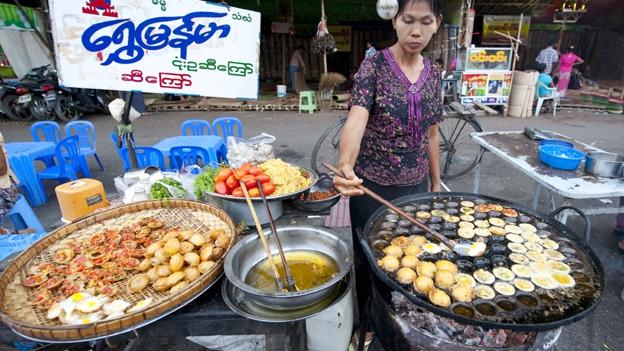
[325, 184]
[604, 164]
[248, 252]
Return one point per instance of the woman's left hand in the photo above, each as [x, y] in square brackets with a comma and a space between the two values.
[435, 188]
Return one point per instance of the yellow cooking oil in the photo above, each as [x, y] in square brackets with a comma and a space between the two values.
[309, 269]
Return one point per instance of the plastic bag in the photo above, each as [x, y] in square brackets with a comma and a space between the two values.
[117, 107]
[255, 150]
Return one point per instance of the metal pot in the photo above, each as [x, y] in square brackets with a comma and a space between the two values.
[248, 252]
[604, 164]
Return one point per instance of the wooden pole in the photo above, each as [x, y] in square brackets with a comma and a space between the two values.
[515, 47]
[127, 135]
[284, 53]
[323, 18]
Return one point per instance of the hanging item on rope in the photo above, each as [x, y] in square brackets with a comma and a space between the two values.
[323, 42]
[387, 9]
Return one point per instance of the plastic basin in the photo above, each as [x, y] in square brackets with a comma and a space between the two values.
[560, 157]
[556, 142]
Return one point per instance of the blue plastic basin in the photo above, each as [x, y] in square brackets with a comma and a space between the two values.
[556, 142]
[560, 157]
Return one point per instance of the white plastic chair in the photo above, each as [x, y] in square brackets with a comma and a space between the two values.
[552, 95]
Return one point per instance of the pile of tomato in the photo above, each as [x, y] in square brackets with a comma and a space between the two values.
[227, 181]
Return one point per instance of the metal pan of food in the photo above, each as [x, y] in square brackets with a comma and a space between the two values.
[535, 275]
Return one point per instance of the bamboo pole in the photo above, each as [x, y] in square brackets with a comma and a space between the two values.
[515, 47]
[323, 18]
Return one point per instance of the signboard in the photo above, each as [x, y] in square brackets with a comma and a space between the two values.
[489, 59]
[11, 17]
[489, 88]
[504, 24]
[189, 47]
[342, 35]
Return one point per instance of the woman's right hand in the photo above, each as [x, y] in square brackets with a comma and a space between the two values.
[347, 185]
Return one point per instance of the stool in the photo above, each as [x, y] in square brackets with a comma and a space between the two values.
[22, 216]
[307, 101]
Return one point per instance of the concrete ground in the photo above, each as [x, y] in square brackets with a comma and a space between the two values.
[297, 133]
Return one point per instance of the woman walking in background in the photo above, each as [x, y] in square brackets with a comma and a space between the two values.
[566, 62]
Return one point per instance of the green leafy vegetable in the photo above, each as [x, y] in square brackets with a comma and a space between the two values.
[205, 181]
[161, 192]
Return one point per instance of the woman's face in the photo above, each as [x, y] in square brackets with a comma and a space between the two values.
[415, 26]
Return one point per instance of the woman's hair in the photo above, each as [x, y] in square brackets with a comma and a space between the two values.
[436, 6]
[300, 47]
[540, 67]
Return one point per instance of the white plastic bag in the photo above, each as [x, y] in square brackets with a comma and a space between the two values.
[117, 107]
[256, 150]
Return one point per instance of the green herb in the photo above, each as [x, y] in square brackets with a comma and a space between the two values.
[205, 181]
[160, 192]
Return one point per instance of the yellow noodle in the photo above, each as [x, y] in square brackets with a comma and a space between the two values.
[287, 178]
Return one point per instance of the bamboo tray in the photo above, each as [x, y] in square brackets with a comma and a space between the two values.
[32, 323]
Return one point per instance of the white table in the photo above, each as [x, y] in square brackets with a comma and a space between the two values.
[521, 152]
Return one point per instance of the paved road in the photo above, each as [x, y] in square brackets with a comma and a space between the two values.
[297, 133]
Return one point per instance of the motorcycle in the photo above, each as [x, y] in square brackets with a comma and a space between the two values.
[36, 93]
[9, 102]
[72, 103]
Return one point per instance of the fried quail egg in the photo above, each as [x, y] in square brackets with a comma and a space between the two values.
[439, 298]
[497, 231]
[484, 292]
[540, 267]
[518, 258]
[431, 248]
[497, 222]
[462, 292]
[504, 288]
[54, 311]
[483, 276]
[452, 219]
[412, 250]
[400, 241]
[405, 275]
[393, 250]
[554, 255]
[517, 248]
[503, 273]
[423, 215]
[389, 263]
[418, 240]
[522, 271]
[536, 256]
[514, 238]
[467, 204]
[423, 284]
[444, 279]
[438, 213]
[141, 305]
[544, 281]
[533, 246]
[559, 267]
[445, 265]
[86, 319]
[513, 229]
[427, 269]
[464, 224]
[467, 210]
[550, 244]
[481, 223]
[89, 305]
[523, 284]
[564, 280]
[116, 306]
[467, 218]
[409, 261]
[476, 249]
[465, 279]
[466, 233]
[526, 227]
[114, 315]
[482, 232]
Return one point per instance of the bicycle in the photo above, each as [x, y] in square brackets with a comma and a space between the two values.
[458, 155]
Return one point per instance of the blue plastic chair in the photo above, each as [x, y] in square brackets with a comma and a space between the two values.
[120, 151]
[23, 217]
[85, 131]
[69, 162]
[46, 131]
[184, 156]
[196, 127]
[228, 126]
[146, 156]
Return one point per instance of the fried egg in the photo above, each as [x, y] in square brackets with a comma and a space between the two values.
[523, 284]
[114, 315]
[54, 311]
[554, 255]
[497, 231]
[467, 218]
[116, 306]
[79, 297]
[431, 248]
[483, 276]
[514, 238]
[482, 232]
[503, 273]
[513, 229]
[533, 246]
[423, 215]
[476, 249]
[559, 267]
[550, 244]
[452, 219]
[518, 258]
[466, 233]
[464, 224]
[517, 248]
[497, 222]
[540, 267]
[522, 271]
[544, 281]
[438, 213]
[463, 278]
[141, 305]
[504, 288]
[526, 227]
[89, 305]
[481, 223]
[467, 210]
[564, 280]
[467, 204]
[536, 256]
[531, 237]
[484, 292]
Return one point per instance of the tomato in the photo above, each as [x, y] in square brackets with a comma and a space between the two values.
[255, 192]
[231, 182]
[239, 173]
[263, 178]
[238, 192]
[250, 181]
[222, 188]
[225, 173]
[255, 170]
[268, 188]
[246, 167]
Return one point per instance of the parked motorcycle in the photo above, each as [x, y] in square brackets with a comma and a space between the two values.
[36, 92]
[9, 102]
[72, 103]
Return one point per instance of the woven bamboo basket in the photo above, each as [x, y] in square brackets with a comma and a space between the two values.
[32, 323]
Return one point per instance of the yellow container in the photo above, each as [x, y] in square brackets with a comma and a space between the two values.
[80, 197]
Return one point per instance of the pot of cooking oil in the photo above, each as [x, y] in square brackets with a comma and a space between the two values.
[318, 259]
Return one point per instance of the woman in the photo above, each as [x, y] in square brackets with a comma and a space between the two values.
[8, 191]
[566, 62]
[390, 140]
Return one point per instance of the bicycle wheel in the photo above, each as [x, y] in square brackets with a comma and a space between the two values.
[458, 153]
[326, 148]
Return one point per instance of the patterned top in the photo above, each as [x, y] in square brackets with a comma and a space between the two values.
[394, 148]
[548, 56]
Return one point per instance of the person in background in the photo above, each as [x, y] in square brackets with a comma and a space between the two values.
[548, 56]
[566, 62]
[8, 191]
[297, 64]
[545, 79]
[370, 49]
[439, 63]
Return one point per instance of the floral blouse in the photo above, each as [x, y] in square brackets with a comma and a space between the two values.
[394, 148]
